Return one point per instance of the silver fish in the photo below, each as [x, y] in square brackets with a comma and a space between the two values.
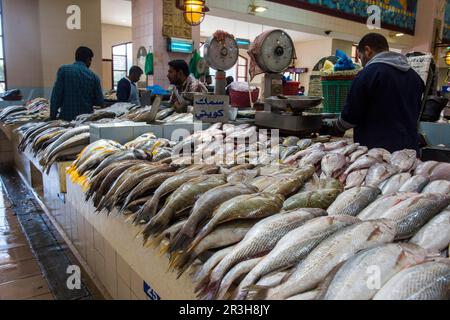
[438, 186]
[258, 241]
[347, 149]
[414, 184]
[295, 246]
[378, 173]
[355, 179]
[425, 281]
[333, 164]
[380, 153]
[404, 160]
[364, 162]
[353, 201]
[435, 235]
[203, 273]
[327, 255]
[358, 153]
[352, 279]
[310, 295]
[394, 183]
[379, 207]
[425, 168]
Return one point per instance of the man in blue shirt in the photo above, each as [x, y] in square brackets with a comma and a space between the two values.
[384, 102]
[127, 90]
[77, 89]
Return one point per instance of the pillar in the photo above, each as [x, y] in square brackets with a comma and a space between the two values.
[148, 32]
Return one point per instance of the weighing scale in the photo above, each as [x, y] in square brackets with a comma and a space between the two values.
[221, 56]
[287, 113]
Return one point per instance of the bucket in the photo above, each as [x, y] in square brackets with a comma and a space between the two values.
[241, 99]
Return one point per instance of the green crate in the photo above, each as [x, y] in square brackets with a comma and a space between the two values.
[335, 94]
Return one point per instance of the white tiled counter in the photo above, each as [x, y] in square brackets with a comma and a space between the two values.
[117, 257]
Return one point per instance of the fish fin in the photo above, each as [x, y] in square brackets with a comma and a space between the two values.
[375, 232]
[211, 291]
[163, 248]
[287, 275]
[255, 292]
[324, 285]
[180, 242]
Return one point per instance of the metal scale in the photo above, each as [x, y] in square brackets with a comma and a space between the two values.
[287, 113]
[221, 56]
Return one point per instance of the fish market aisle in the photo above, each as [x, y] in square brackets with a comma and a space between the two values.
[33, 258]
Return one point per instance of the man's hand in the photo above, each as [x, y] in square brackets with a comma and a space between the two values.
[331, 129]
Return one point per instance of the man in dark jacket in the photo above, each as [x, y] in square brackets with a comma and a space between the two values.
[77, 89]
[127, 90]
[384, 102]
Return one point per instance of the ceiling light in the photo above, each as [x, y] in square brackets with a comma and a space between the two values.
[252, 9]
[193, 11]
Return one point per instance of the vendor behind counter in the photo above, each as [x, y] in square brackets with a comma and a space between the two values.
[127, 90]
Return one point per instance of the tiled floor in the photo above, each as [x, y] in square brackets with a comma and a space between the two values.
[20, 274]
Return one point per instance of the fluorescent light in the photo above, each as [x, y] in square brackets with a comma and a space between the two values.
[260, 9]
[399, 34]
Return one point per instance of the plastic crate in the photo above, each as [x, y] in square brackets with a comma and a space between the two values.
[335, 94]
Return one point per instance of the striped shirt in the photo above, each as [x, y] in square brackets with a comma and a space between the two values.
[76, 91]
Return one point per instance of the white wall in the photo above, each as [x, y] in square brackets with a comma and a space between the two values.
[114, 35]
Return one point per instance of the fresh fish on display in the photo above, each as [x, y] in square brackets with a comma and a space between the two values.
[358, 153]
[356, 179]
[404, 160]
[380, 154]
[287, 184]
[327, 255]
[304, 143]
[435, 235]
[441, 172]
[393, 184]
[425, 168]
[378, 173]
[438, 186]
[321, 198]
[347, 150]
[291, 141]
[425, 281]
[364, 162]
[414, 184]
[307, 296]
[330, 146]
[379, 207]
[333, 164]
[350, 282]
[353, 201]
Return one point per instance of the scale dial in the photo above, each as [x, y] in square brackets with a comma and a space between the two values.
[277, 52]
[221, 55]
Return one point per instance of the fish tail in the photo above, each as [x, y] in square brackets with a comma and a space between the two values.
[163, 248]
[212, 290]
[255, 292]
[180, 242]
[155, 227]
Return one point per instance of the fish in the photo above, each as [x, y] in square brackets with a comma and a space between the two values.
[288, 151]
[351, 281]
[410, 215]
[380, 154]
[435, 235]
[224, 235]
[322, 139]
[294, 247]
[146, 186]
[414, 184]
[425, 281]
[425, 168]
[304, 143]
[353, 201]
[170, 185]
[291, 141]
[259, 240]
[134, 206]
[347, 150]
[237, 271]
[438, 186]
[358, 153]
[303, 153]
[306, 296]
[213, 261]
[377, 208]
[66, 136]
[378, 173]
[273, 279]
[263, 182]
[441, 172]
[183, 198]
[330, 146]
[242, 176]
[312, 159]
[131, 182]
[253, 206]
[404, 160]
[327, 255]
[355, 179]
[394, 183]
[321, 198]
[333, 164]
[204, 208]
[119, 156]
[67, 153]
[364, 162]
[287, 184]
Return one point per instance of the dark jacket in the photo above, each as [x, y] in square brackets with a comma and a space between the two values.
[384, 104]
[123, 90]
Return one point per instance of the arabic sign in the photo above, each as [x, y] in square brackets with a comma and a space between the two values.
[211, 109]
[397, 15]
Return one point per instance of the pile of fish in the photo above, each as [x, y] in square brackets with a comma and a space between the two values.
[53, 141]
[314, 227]
[35, 110]
[104, 155]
